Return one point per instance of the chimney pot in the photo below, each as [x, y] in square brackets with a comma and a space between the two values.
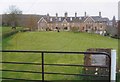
[99, 14]
[75, 14]
[66, 15]
[85, 14]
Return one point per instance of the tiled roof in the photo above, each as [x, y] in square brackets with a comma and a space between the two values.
[100, 19]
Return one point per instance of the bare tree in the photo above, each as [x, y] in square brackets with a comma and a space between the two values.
[12, 15]
[31, 23]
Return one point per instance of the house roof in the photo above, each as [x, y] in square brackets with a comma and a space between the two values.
[42, 19]
[100, 19]
[53, 19]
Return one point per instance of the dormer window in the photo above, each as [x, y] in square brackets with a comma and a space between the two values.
[71, 19]
[80, 18]
[50, 19]
[110, 23]
[59, 19]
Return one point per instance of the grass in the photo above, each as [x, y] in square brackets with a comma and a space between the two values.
[62, 41]
[8, 31]
[0, 52]
[59, 41]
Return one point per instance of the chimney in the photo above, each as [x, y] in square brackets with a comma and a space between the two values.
[99, 14]
[85, 14]
[56, 15]
[113, 21]
[48, 16]
[75, 14]
[66, 15]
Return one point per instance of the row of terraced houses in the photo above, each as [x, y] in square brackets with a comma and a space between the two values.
[97, 24]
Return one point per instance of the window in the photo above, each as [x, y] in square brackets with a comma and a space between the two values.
[95, 28]
[83, 28]
[50, 19]
[65, 28]
[80, 18]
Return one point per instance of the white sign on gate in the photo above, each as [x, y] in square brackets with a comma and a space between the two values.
[98, 60]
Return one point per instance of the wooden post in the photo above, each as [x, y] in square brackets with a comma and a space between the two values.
[113, 65]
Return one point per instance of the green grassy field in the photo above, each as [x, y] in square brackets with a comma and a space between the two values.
[8, 31]
[59, 41]
[62, 41]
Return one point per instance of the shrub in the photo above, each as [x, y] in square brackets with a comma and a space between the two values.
[75, 29]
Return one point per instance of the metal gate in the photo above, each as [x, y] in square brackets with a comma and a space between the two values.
[43, 53]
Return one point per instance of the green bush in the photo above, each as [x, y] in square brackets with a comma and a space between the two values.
[118, 77]
[8, 31]
[75, 29]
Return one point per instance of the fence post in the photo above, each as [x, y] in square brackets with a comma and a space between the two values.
[42, 67]
[113, 65]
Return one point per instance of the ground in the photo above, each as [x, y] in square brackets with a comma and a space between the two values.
[69, 41]
[62, 41]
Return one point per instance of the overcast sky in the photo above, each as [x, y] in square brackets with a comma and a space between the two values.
[109, 8]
